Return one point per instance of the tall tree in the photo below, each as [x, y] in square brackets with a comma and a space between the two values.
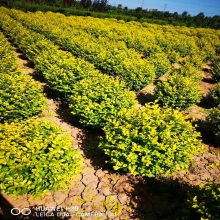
[103, 5]
[86, 3]
[68, 3]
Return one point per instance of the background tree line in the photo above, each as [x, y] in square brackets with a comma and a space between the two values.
[120, 12]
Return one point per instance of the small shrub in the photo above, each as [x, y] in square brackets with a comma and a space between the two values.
[150, 49]
[215, 95]
[178, 92]
[150, 141]
[216, 70]
[99, 98]
[36, 157]
[213, 123]
[193, 60]
[20, 97]
[137, 73]
[173, 56]
[206, 202]
[190, 71]
[161, 63]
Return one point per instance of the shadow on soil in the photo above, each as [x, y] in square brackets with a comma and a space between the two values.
[207, 135]
[145, 98]
[162, 199]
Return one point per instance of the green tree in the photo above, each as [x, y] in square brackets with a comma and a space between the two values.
[86, 3]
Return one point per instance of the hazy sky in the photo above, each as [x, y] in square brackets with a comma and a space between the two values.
[209, 7]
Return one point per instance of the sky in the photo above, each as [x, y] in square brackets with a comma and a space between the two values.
[209, 7]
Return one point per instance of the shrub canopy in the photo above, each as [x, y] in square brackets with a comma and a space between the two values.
[178, 92]
[36, 157]
[20, 97]
[97, 99]
[150, 141]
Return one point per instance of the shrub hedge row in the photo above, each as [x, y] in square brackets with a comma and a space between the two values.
[64, 73]
[7, 56]
[36, 155]
[113, 58]
[20, 96]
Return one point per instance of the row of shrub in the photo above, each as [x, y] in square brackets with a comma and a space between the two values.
[65, 75]
[143, 36]
[184, 41]
[113, 58]
[36, 155]
[20, 96]
[179, 91]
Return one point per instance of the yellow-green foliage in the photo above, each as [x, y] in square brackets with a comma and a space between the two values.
[20, 97]
[206, 201]
[60, 69]
[213, 123]
[129, 50]
[36, 157]
[215, 95]
[216, 69]
[150, 141]
[112, 57]
[178, 92]
[161, 63]
[7, 56]
[173, 56]
[98, 99]
[189, 71]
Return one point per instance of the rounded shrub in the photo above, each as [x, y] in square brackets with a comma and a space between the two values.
[161, 63]
[216, 70]
[178, 92]
[173, 56]
[215, 95]
[189, 71]
[97, 99]
[206, 201]
[150, 141]
[36, 157]
[20, 97]
[213, 123]
[194, 60]
[136, 74]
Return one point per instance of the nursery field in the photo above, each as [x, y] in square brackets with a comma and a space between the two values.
[106, 119]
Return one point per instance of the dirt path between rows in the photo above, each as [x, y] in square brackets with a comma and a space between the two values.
[101, 193]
